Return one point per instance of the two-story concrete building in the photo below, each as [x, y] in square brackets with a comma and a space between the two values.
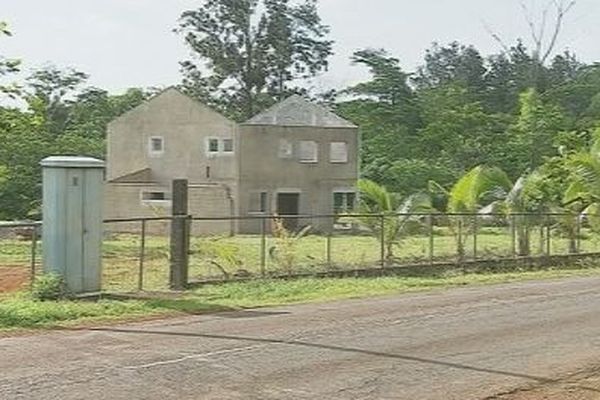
[295, 158]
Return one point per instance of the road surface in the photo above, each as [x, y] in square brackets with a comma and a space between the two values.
[467, 343]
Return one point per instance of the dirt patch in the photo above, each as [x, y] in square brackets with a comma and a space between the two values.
[13, 279]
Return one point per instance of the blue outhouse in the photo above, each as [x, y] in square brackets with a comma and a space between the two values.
[72, 220]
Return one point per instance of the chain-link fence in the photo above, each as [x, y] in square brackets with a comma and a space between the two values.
[20, 254]
[296, 245]
[136, 252]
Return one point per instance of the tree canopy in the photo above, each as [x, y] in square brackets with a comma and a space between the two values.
[247, 54]
[526, 110]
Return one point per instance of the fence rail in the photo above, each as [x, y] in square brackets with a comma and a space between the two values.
[25, 259]
[136, 251]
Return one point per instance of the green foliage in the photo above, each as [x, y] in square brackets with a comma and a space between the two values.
[285, 250]
[49, 287]
[26, 313]
[387, 216]
[7, 65]
[532, 135]
[583, 193]
[478, 187]
[62, 118]
[461, 109]
[452, 64]
[20, 312]
[220, 253]
[253, 51]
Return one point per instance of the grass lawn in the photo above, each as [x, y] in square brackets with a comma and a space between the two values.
[121, 254]
[310, 254]
[21, 312]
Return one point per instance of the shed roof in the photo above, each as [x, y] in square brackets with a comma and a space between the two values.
[297, 111]
[142, 176]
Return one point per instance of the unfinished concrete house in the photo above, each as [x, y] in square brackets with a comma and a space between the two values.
[296, 158]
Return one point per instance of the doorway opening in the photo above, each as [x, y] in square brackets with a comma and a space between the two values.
[288, 204]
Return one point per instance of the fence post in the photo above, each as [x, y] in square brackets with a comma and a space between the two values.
[513, 233]
[542, 237]
[179, 235]
[578, 233]
[461, 249]
[329, 234]
[33, 252]
[431, 239]
[263, 246]
[548, 236]
[475, 229]
[142, 256]
[382, 240]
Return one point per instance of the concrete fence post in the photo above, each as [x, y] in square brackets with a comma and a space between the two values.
[180, 236]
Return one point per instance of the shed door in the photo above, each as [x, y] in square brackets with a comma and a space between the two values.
[74, 232]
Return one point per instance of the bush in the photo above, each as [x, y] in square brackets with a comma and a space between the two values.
[49, 287]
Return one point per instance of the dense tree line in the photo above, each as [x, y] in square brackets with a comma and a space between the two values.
[525, 111]
[55, 113]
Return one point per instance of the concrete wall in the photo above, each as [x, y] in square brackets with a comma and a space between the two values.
[123, 201]
[315, 182]
[212, 201]
[185, 126]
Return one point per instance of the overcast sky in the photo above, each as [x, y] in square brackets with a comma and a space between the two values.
[127, 43]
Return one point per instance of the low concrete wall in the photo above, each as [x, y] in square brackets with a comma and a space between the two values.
[435, 269]
[123, 201]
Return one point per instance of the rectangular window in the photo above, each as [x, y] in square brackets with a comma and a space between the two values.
[213, 145]
[259, 202]
[158, 196]
[338, 152]
[227, 145]
[309, 151]
[156, 146]
[343, 202]
[263, 202]
[286, 149]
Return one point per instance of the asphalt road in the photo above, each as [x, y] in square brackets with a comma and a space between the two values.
[468, 343]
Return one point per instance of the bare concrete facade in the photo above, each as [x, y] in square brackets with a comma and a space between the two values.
[296, 158]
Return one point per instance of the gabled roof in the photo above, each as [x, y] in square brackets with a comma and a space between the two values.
[172, 91]
[296, 111]
[141, 176]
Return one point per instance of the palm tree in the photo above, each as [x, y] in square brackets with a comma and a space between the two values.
[477, 188]
[513, 205]
[583, 195]
[388, 216]
[585, 186]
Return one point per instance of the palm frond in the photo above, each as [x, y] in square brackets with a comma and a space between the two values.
[468, 193]
[374, 197]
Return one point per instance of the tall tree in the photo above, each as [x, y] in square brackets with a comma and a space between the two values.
[92, 109]
[387, 110]
[50, 92]
[532, 137]
[248, 53]
[544, 31]
[7, 65]
[456, 64]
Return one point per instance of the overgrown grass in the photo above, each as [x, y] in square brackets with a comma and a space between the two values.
[25, 313]
[22, 312]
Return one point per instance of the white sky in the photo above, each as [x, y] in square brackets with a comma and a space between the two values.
[127, 43]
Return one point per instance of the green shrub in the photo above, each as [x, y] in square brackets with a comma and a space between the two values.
[49, 287]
